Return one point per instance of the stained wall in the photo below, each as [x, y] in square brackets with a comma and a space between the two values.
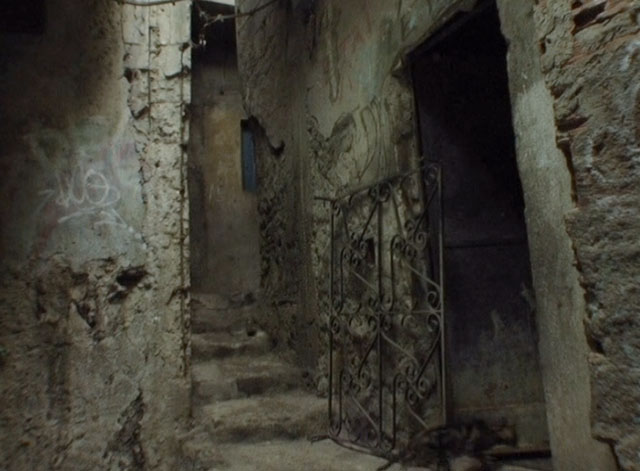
[93, 231]
[327, 82]
[224, 215]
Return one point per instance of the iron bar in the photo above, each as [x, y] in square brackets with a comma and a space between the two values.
[386, 318]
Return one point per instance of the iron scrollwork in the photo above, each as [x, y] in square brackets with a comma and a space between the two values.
[386, 324]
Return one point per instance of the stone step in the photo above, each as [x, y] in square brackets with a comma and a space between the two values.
[199, 453]
[214, 313]
[206, 346]
[242, 376]
[296, 455]
[292, 455]
[205, 319]
[524, 463]
[291, 415]
[512, 467]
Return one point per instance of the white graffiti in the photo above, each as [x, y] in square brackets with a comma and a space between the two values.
[95, 190]
[82, 193]
[88, 193]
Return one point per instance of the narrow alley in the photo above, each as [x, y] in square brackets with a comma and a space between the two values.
[320, 235]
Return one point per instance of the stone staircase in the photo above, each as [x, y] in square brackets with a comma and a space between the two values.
[250, 410]
[243, 392]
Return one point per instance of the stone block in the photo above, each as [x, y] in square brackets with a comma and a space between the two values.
[138, 99]
[171, 24]
[135, 24]
[136, 56]
[166, 90]
[166, 122]
[168, 60]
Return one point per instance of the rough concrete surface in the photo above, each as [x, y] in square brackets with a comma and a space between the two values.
[93, 228]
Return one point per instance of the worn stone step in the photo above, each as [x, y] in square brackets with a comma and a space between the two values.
[242, 376]
[199, 453]
[213, 313]
[296, 455]
[291, 415]
[204, 319]
[538, 467]
[205, 346]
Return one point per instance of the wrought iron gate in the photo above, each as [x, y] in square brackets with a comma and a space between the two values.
[386, 324]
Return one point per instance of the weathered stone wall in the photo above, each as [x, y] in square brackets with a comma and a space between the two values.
[93, 232]
[271, 99]
[591, 65]
[560, 304]
[319, 78]
[326, 81]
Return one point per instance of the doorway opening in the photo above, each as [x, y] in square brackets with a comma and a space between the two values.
[464, 110]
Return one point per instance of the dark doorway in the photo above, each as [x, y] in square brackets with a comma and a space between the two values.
[461, 86]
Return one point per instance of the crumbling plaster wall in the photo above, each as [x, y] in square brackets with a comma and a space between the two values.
[93, 232]
[326, 83]
[325, 80]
